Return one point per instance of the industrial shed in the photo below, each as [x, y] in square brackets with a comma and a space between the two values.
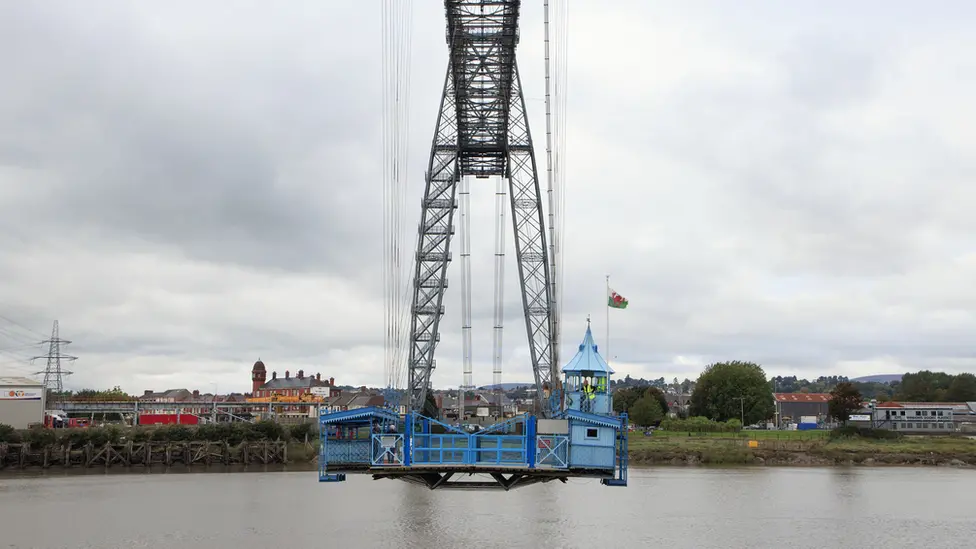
[22, 401]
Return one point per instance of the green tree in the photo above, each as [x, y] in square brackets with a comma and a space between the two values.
[845, 399]
[962, 388]
[720, 387]
[624, 399]
[8, 434]
[924, 386]
[646, 411]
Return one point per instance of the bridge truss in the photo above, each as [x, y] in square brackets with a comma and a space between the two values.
[482, 131]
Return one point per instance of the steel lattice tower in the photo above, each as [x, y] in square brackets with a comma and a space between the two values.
[482, 130]
[53, 373]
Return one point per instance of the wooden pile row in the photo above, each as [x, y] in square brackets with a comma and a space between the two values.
[25, 455]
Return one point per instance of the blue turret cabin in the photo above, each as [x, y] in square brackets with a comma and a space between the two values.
[589, 405]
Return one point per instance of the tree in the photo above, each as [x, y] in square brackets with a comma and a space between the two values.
[646, 411]
[845, 399]
[924, 386]
[720, 387]
[624, 399]
[962, 388]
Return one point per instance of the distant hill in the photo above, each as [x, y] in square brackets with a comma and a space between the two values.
[507, 386]
[879, 378]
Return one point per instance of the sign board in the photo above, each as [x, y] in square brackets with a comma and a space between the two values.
[481, 412]
[320, 391]
[552, 427]
[21, 393]
[860, 417]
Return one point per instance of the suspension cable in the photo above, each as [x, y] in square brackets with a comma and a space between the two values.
[397, 35]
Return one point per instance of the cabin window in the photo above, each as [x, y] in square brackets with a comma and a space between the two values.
[592, 433]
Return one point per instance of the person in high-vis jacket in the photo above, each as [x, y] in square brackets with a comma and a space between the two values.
[589, 393]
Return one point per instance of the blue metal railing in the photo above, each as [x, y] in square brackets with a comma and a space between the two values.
[457, 449]
[346, 451]
[499, 449]
[622, 457]
[439, 449]
[387, 450]
[552, 451]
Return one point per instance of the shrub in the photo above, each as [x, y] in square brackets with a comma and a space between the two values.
[9, 434]
[41, 437]
[300, 431]
[267, 430]
[700, 424]
[850, 431]
[232, 433]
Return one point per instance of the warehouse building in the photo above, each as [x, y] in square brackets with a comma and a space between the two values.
[792, 407]
[21, 402]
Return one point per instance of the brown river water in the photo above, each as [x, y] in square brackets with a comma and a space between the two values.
[673, 507]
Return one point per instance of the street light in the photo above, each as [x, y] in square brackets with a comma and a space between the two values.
[742, 410]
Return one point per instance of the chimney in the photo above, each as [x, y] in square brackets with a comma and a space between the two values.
[274, 375]
[331, 382]
[318, 377]
[301, 374]
[287, 374]
[196, 392]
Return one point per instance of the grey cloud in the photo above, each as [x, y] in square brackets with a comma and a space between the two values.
[211, 177]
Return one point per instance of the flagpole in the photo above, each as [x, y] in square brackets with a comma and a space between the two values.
[608, 318]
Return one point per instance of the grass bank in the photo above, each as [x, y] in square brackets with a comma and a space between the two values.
[799, 448]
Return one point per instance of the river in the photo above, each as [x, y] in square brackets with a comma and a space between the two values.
[672, 507]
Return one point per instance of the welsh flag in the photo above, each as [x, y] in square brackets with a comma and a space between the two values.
[616, 300]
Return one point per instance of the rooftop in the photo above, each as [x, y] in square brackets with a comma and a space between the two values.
[802, 397]
[960, 405]
[20, 381]
[588, 358]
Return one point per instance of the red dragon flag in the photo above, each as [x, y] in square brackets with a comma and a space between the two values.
[616, 301]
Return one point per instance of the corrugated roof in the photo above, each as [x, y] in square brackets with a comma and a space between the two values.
[588, 358]
[802, 397]
[359, 413]
[595, 419]
[960, 405]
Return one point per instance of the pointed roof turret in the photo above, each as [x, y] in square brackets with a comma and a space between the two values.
[588, 359]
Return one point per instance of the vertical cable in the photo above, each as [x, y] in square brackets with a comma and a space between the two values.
[501, 204]
[464, 210]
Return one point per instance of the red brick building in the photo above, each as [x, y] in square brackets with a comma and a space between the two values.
[289, 386]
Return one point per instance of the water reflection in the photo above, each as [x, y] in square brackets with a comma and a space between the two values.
[673, 507]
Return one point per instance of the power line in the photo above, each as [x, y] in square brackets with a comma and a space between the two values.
[53, 374]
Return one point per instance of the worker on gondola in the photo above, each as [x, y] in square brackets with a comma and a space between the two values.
[589, 394]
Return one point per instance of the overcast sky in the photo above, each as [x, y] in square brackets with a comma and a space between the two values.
[188, 188]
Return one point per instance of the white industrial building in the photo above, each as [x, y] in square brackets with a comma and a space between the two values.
[22, 402]
[915, 417]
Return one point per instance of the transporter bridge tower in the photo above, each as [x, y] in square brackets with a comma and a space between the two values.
[482, 134]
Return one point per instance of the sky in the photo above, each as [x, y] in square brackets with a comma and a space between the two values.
[189, 187]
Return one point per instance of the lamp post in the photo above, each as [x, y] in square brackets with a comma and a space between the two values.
[742, 409]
